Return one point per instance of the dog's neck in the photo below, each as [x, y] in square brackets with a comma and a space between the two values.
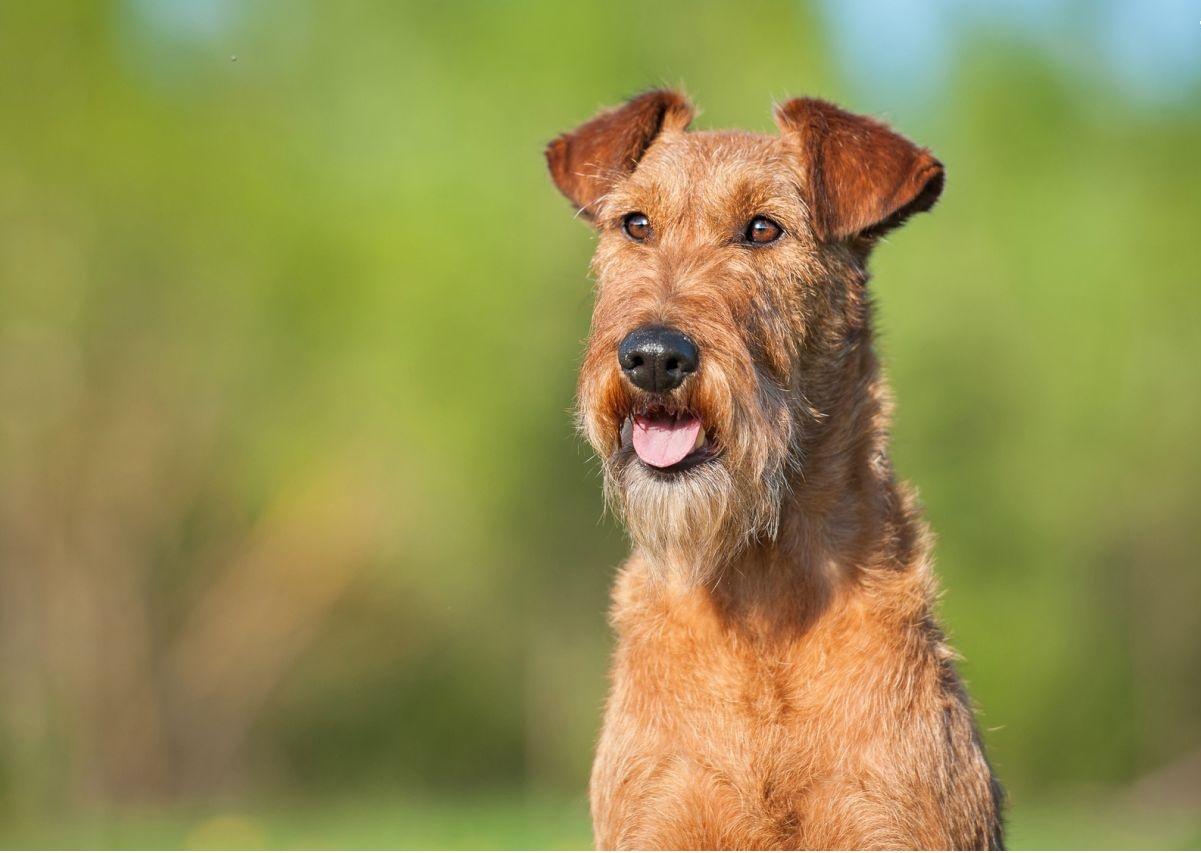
[844, 514]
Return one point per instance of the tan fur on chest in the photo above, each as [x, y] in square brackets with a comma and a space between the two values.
[776, 738]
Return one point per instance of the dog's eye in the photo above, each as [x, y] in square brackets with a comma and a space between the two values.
[762, 230]
[637, 226]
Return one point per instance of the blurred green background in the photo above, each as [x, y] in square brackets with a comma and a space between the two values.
[297, 547]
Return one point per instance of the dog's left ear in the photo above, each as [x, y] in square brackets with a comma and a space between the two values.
[587, 162]
[862, 179]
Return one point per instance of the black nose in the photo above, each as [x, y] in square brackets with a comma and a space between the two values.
[656, 358]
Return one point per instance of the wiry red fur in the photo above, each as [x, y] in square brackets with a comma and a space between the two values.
[779, 679]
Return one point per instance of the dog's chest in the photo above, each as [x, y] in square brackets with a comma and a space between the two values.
[734, 722]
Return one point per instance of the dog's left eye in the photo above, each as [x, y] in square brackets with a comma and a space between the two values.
[762, 230]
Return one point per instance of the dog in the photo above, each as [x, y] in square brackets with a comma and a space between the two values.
[779, 679]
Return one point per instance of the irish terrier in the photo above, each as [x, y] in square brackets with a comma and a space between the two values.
[779, 679]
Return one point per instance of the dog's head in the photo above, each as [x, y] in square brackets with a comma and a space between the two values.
[729, 299]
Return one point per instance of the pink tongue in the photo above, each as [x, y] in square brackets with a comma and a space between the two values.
[664, 441]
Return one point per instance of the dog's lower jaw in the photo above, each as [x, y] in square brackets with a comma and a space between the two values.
[691, 526]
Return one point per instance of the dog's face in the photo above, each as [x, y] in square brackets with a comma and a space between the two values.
[729, 297]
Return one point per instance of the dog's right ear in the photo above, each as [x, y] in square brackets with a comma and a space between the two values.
[587, 162]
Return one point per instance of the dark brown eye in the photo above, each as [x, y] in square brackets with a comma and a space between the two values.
[762, 230]
[637, 226]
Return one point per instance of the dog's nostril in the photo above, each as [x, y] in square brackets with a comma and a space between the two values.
[657, 358]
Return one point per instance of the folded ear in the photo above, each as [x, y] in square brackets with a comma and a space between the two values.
[862, 178]
[587, 162]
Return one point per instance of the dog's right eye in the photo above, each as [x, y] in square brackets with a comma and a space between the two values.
[637, 226]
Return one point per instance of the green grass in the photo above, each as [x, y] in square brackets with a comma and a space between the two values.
[504, 822]
[510, 822]
[1071, 825]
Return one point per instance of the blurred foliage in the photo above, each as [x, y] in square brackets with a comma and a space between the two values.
[289, 319]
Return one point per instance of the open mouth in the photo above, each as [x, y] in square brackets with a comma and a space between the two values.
[667, 440]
